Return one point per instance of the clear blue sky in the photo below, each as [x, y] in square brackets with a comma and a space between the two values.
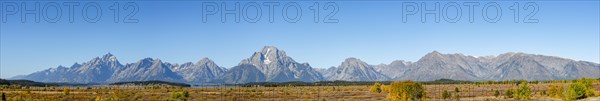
[368, 30]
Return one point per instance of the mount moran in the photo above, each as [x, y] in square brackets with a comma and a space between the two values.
[273, 65]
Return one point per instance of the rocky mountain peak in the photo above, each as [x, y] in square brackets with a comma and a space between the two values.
[511, 54]
[147, 60]
[109, 57]
[76, 65]
[157, 61]
[353, 62]
[400, 62]
[270, 54]
[205, 60]
[278, 67]
[353, 69]
[434, 54]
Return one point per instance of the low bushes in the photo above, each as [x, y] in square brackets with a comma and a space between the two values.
[524, 91]
[579, 89]
[180, 95]
[556, 91]
[497, 93]
[446, 94]
[508, 94]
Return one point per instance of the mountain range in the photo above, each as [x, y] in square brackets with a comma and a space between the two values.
[273, 65]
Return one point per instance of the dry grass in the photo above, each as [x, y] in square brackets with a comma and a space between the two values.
[314, 93]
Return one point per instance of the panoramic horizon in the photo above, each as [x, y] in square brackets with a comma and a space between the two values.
[169, 32]
[265, 58]
[259, 50]
[118, 57]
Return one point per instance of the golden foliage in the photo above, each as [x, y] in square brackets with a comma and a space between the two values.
[376, 88]
[406, 91]
[555, 91]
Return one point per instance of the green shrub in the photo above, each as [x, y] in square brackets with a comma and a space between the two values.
[508, 93]
[497, 93]
[3, 97]
[576, 91]
[580, 90]
[457, 97]
[446, 94]
[456, 89]
[180, 95]
[186, 94]
[524, 92]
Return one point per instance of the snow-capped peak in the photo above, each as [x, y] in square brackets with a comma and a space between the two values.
[267, 61]
[109, 57]
[113, 58]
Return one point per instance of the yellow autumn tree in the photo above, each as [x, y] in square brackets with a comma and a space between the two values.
[385, 89]
[376, 88]
[406, 91]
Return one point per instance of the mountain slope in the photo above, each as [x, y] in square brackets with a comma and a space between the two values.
[435, 65]
[353, 69]
[242, 74]
[145, 70]
[508, 66]
[203, 71]
[326, 72]
[96, 70]
[395, 69]
[278, 67]
[273, 65]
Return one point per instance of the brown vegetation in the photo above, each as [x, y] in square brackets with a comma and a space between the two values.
[557, 90]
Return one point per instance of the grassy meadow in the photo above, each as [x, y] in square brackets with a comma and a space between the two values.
[432, 92]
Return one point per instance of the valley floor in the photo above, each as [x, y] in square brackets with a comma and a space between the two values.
[477, 92]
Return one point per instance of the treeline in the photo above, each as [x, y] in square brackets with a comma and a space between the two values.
[354, 83]
[300, 83]
[149, 83]
[342, 83]
[25, 83]
[29, 83]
